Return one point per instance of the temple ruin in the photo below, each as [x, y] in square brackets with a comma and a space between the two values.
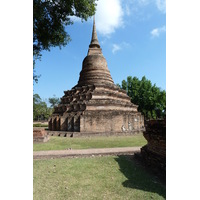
[95, 105]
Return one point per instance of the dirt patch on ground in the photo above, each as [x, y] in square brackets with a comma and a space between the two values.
[85, 152]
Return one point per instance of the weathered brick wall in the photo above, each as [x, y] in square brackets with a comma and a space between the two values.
[111, 121]
[40, 135]
[100, 122]
[154, 153]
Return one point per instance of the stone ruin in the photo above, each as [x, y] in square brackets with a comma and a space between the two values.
[154, 153]
[95, 105]
[40, 135]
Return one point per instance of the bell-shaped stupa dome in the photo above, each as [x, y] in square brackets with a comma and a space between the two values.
[94, 67]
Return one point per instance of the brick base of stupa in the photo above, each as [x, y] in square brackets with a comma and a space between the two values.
[96, 109]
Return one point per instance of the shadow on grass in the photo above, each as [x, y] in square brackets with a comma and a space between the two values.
[138, 177]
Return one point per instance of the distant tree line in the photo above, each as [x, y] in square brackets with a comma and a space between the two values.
[40, 109]
[151, 100]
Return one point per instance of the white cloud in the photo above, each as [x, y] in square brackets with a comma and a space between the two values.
[109, 13]
[75, 19]
[136, 6]
[161, 5]
[118, 47]
[157, 31]
[127, 10]
[115, 48]
[143, 2]
[109, 16]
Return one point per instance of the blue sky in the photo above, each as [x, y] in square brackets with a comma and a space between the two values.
[132, 35]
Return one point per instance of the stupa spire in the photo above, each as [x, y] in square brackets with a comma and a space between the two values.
[94, 41]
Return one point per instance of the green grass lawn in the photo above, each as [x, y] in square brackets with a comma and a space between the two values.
[40, 125]
[109, 177]
[61, 143]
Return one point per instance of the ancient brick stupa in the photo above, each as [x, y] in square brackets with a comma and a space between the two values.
[95, 105]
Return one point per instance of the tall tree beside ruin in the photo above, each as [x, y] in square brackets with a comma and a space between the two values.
[50, 18]
[150, 98]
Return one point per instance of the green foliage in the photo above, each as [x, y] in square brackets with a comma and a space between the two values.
[35, 76]
[118, 85]
[54, 101]
[40, 109]
[150, 99]
[124, 85]
[50, 18]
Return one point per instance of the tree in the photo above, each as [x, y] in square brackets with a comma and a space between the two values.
[36, 99]
[150, 99]
[54, 101]
[40, 109]
[118, 85]
[36, 106]
[124, 85]
[35, 76]
[129, 86]
[50, 18]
